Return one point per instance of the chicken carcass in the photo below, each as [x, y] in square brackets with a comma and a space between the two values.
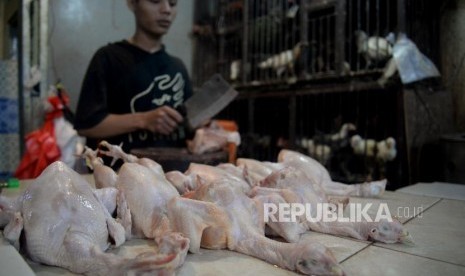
[198, 175]
[295, 183]
[314, 170]
[300, 179]
[66, 224]
[217, 215]
[212, 138]
[243, 231]
[256, 171]
[147, 194]
[189, 181]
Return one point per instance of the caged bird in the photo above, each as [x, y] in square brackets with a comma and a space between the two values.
[337, 139]
[373, 48]
[343, 132]
[362, 146]
[322, 153]
[386, 150]
[283, 61]
[235, 69]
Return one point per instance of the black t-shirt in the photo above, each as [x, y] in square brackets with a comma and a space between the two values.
[123, 78]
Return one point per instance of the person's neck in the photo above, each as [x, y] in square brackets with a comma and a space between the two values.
[149, 44]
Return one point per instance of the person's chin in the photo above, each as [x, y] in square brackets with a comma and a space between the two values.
[161, 30]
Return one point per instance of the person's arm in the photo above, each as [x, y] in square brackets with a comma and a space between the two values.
[161, 120]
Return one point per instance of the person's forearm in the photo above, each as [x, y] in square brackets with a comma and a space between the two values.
[114, 124]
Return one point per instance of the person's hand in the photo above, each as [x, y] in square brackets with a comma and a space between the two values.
[162, 120]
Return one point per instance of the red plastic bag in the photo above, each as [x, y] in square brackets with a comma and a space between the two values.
[41, 145]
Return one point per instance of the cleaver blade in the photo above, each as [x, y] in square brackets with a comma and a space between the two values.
[212, 97]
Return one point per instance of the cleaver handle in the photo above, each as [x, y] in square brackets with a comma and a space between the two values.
[189, 132]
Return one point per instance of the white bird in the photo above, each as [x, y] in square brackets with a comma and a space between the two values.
[362, 146]
[282, 61]
[303, 143]
[372, 48]
[235, 69]
[343, 132]
[318, 151]
[386, 150]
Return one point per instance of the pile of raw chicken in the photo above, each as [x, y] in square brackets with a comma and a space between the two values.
[61, 220]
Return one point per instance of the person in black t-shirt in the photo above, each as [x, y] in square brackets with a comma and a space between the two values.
[132, 87]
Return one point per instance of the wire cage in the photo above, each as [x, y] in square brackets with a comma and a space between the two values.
[357, 134]
[268, 42]
[308, 69]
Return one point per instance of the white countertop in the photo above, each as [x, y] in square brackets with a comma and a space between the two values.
[437, 189]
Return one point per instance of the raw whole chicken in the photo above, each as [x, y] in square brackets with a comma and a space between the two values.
[216, 215]
[293, 186]
[201, 174]
[242, 230]
[300, 179]
[255, 172]
[147, 194]
[66, 224]
[189, 180]
[212, 138]
[314, 170]
[198, 174]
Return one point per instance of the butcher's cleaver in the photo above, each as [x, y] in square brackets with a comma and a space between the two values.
[214, 95]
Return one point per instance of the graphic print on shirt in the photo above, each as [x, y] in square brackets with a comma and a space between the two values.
[170, 90]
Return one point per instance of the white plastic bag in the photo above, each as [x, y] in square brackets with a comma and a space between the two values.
[411, 63]
[68, 141]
